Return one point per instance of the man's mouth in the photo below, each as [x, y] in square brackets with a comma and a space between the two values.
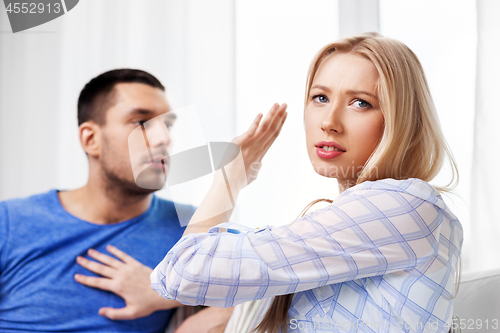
[160, 165]
[159, 162]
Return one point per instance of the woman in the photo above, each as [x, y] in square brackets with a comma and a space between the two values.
[382, 257]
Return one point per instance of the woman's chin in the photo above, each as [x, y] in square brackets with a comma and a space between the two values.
[326, 171]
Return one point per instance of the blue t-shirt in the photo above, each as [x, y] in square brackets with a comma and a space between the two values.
[39, 243]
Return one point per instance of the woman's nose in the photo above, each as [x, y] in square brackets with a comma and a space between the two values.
[332, 120]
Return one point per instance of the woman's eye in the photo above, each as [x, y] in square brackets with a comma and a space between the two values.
[362, 103]
[320, 98]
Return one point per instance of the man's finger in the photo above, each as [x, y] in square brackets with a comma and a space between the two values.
[95, 267]
[105, 259]
[120, 254]
[95, 282]
[125, 313]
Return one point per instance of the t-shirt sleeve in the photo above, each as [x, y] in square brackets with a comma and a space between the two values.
[363, 233]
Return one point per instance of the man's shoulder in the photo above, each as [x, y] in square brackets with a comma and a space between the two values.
[41, 200]
[169, 209]
[169, 204]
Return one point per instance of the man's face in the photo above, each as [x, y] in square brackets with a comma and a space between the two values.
[134, 105]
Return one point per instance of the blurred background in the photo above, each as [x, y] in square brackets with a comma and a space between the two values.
[234, 59]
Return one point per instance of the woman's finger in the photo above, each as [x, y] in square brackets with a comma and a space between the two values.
[251, 131]
[276, 119]
[256, 129]
[271, 140]
[266, 123]
[272, 133]
[254, 125]
[279, 122]
[254, 142]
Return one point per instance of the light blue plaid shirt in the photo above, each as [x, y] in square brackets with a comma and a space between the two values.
[381, 258]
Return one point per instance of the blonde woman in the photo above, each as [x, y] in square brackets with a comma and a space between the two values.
[381, 257]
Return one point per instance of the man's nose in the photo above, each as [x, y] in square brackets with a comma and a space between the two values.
[332, 121]
[157, 133]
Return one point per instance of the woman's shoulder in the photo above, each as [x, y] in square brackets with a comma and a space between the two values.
[412, 186]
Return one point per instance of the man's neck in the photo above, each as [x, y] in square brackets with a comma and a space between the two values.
[97, 205]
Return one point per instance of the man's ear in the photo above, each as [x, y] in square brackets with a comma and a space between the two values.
[90, 138]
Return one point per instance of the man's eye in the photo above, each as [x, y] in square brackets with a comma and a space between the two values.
[320, 98]
[362, 103]
[147, 123]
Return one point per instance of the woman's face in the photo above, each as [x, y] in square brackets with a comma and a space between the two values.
[343, 110]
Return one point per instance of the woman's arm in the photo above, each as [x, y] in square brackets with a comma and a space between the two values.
[218, 204]
[371, 229]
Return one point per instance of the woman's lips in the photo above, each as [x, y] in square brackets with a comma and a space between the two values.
[328, 154]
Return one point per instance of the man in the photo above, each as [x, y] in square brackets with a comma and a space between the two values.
[49, 242]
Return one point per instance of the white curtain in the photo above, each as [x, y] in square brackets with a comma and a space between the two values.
[29, 82]
[234, 59]
[485, 155]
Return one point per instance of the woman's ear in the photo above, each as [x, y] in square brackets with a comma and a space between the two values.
[90, 138]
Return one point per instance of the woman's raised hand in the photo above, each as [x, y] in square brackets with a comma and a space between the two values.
[239, 172]
[255, 142]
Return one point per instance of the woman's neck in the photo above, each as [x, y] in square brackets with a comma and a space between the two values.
[344, 184]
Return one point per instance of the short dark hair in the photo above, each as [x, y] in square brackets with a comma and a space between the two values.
[95, 98]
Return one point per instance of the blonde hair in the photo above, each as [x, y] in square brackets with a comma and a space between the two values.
[412, 143]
